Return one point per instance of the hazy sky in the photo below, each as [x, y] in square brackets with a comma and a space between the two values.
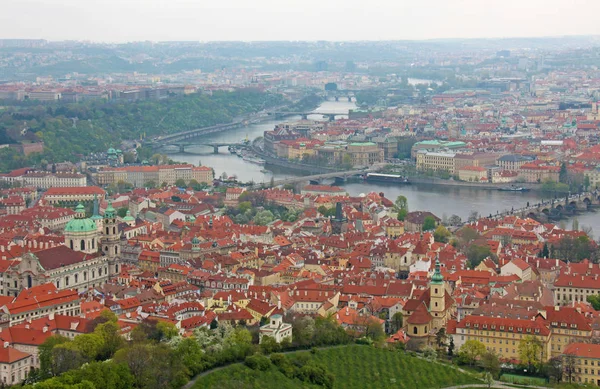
[129, 20]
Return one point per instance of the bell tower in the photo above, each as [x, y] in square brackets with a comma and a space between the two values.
[437, 292]
[110, 233]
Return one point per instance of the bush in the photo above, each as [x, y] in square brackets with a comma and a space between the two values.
[316, 374]
[258, 362]
[283, 364]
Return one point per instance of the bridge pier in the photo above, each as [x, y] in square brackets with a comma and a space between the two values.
[215, 149]
[304, 116]
[331, 117]
[337, 98]
[349, 99]
[182, 148]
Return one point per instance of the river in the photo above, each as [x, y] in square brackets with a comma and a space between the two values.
[441, 200]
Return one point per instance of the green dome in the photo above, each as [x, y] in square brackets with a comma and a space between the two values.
[195, 240]
[128, 217]
[118, 151]
[111, 151]
[81, 225]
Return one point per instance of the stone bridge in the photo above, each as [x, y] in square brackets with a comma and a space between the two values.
[556, 208]
[214, 145]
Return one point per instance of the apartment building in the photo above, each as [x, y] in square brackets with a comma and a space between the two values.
[139, 176]
[45, 180]
[586, 362]
[575, 287]
[436, 161]
[72, 195]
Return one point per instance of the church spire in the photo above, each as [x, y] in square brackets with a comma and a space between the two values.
[437, 277]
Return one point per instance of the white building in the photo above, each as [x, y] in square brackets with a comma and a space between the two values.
[276, 329]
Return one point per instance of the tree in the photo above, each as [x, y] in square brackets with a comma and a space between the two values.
[428, 223]
[180, 183]
[263, 218]
[110, 332]
[586, 182]
[224, 176]
[129, 157]
[45, 355]
[476, 254]
[563, 174]
[595, 301]
[397, 321]
[473, 217]
[490, 363]
[374, 330]
[150, 184]
[401, 202]
[530, 351]
[488, 378]
[569, 364]
[346, 161]
[544, 252]
[441, 338]
[441, 234]
[402, 214]
[451, 347]
[556, 369]
[471, 351]
[269, 345]
[122, 212]
[454, 220]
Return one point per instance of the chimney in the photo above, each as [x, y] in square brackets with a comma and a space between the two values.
[51, 316]
[6, 344]
[45, 329]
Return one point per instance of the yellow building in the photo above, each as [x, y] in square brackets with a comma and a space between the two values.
[502, 335]
[586, 362]
[435, 161]
[473, 174]
[365, 154]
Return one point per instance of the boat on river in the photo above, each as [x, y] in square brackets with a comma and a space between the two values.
[513, 188]
[380, 177]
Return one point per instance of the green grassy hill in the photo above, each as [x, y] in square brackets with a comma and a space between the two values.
[353, 366]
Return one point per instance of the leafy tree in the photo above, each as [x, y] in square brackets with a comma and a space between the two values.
[374, 330]
[397, 321]
[244, 206]
[594, 300]
[451, 347]
[402, 214]
[263, 218]
[88, 345]
[490, 362]
[471, 351]
[476, 254]
[122, 212]
[110, 332]
[401, 202]
[180, 183]
[45, 355]
[258, 362]
[441, 234]
[530, 351]
[268, 345]
[441, 338]
[428, 223]
[563, 174]
[544, 252]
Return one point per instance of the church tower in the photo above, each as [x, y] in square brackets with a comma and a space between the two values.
[111, 235]
[437, 302]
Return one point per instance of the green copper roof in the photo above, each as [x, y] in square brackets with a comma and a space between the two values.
[363, 144]
[110, 211]
[111, 151]
[80, 208]
[80, 225]
[437, 277]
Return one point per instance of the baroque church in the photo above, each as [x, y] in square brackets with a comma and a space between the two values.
[88, 258]
[430, 311]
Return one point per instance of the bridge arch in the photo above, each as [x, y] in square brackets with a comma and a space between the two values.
[559, 207]
[546, 211]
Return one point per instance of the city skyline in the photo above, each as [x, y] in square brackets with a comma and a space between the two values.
[310, 20]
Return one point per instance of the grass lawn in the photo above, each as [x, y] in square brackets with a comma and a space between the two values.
[524, 380]
[353, 366]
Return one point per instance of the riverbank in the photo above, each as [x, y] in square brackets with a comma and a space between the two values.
[440, 181]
